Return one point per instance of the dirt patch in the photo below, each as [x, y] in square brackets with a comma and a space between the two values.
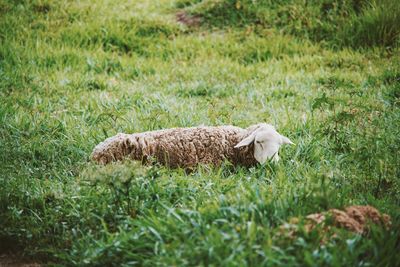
[354, 218]
[12, 260]
[187, 19]
[357, 219]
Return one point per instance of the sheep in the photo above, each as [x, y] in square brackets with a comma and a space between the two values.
[189, 147]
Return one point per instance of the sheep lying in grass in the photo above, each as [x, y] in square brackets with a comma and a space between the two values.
[188, 147]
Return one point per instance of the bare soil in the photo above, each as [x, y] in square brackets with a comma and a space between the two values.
[13, 260]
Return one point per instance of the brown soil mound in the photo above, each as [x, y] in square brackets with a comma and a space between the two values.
[353, 218]
[356, 219]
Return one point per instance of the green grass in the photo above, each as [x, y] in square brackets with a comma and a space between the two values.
[354, 23]
[73, 73]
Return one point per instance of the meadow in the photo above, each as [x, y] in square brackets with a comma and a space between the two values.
[72, 73]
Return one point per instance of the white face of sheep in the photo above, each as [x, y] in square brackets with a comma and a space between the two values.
[267, 142]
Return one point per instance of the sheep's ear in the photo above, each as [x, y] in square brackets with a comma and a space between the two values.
[247, 141]
[286, 140]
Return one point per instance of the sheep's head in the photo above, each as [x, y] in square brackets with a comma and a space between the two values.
[267, 142]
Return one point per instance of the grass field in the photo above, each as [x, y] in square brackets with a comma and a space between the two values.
[75, 72]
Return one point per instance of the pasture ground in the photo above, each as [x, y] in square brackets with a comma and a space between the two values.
[75, 72]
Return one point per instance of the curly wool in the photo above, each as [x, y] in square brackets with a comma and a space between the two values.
[180, 147]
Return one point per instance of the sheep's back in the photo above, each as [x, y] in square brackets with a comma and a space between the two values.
[188, 147]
